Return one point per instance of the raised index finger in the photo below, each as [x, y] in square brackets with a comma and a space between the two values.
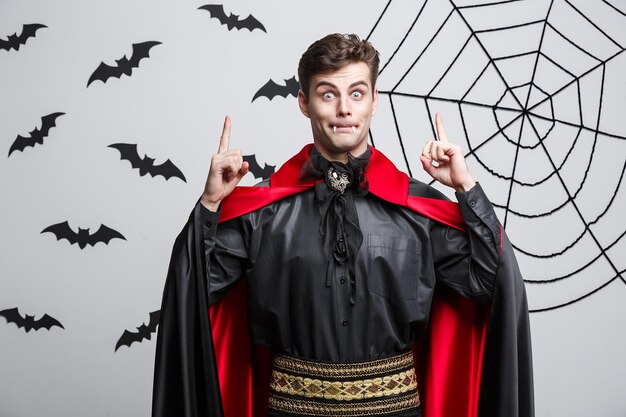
[441, 133]
[225, 138]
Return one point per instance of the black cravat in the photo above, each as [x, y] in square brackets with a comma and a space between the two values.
[339, 225]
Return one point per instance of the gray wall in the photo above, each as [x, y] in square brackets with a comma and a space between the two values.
[544, 132]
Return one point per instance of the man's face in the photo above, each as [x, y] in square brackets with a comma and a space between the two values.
[340, 106]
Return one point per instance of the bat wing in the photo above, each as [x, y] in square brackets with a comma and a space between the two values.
[155, 316]
[29, 31]
[12, 315]
[104, 72]
[47, 322]
[20, 143]
[48, 122]
[168, 170]
[141, 51]
[216, 11]
[62, 231]
[104, 234]
[127, 339]
[254, 166]
[128, 152]
[143, 332]
[271, 90]
[250, 23]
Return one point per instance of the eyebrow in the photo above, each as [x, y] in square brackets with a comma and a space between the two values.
[329, 84]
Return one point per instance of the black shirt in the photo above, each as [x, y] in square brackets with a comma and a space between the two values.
[298, 305]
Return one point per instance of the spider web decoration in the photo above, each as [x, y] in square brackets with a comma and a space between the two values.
[535, 93]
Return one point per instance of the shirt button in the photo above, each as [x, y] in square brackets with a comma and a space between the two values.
[342, 280]
[345, 322]
[472, 204]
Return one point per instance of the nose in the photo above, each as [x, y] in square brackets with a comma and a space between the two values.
[343, 107]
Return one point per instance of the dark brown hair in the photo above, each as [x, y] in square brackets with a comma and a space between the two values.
[333, 52]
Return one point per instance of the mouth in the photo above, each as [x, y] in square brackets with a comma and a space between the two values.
[345, 128]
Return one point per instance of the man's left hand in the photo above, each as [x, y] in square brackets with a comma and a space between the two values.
[450, 168]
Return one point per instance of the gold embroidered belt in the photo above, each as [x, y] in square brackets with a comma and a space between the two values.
[372, 388]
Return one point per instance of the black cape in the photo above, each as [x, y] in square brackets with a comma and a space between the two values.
[186, 382]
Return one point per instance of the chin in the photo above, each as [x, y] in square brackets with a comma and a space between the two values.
[349, 145]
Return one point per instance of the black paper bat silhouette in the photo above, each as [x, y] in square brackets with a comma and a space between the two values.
[256, 169]
[36, 136]
[125, 65]
[144, 332]
[271, 89]
[167, 169]
[28, 322]
[232, 20]
[83, 238]
[14, 41]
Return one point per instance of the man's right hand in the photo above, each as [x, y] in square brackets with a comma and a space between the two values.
[227, 169]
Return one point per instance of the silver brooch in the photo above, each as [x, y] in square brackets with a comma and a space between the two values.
[338, 181]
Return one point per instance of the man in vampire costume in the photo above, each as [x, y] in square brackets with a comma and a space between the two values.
[341, 287]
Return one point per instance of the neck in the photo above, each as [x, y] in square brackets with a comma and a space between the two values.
[343, 157]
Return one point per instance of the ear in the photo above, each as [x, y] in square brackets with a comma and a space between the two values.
[375, 101]
[303, 103]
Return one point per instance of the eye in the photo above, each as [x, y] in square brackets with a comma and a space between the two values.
[357, 95]
[328, 95]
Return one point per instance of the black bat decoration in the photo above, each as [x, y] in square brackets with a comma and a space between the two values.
[232, 20]
[144, 332]
[167, 169]
[256, 169]
[28, 322]
[83, 238]
[271, 89]
[125, 65]
[14, 41]
[36, 136]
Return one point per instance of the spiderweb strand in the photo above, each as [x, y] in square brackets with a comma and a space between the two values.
[614, 8]
[403, 39]
[593, 24]
[379, 19]
[580, 269]
[497, 3]
[395, 120]
[582, 297]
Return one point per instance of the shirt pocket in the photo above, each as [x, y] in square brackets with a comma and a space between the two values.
[393, 266]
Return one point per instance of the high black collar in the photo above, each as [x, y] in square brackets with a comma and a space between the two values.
[338, 176]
